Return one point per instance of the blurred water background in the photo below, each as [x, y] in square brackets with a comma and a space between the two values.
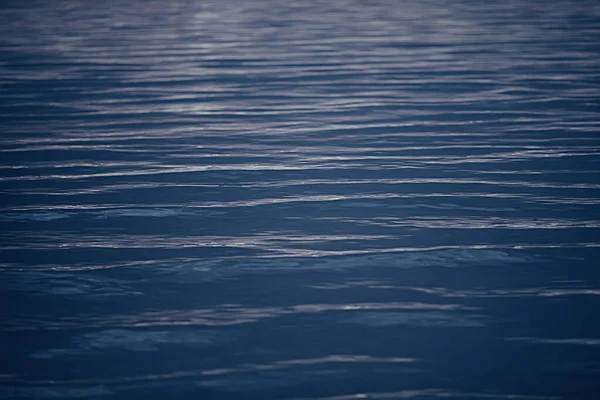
[300, 200]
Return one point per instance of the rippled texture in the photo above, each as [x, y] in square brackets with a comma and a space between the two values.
[314, 200]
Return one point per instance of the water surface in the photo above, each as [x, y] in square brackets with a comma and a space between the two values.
[313, 200]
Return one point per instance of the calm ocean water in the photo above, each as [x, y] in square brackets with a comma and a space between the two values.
[300, 200]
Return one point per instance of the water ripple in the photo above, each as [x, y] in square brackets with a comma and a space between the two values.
[173, 171]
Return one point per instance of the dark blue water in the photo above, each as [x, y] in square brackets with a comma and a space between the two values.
[300, 200]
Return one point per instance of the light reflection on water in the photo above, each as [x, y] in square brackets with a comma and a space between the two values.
[277, 200]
